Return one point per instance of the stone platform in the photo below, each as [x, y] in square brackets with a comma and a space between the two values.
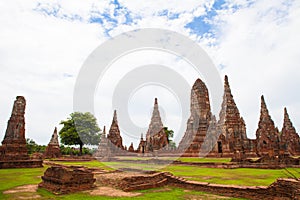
[63, 179]
[34, 163]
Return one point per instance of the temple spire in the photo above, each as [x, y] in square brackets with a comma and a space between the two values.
[156, 124]
[114, 132]
[115, 117]
[267, 135]
[16, 124]
[54, 138]
[104, 130]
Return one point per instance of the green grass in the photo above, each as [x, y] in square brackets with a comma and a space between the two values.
[205, 160]
[240, 176]
[93, 163]
[10, 178]
[182, 159]
[132, 165]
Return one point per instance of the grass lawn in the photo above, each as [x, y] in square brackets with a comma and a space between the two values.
[241, 176]
[10, 178]
[93, 163]
[204, 160]
[182, 159]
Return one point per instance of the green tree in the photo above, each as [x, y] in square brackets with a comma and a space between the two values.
[33, 147]
[80, 129]
[170, 135]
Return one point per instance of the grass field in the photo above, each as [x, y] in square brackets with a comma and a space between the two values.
[205, 160]
[182, 159]
[93, 163]
[240, 176]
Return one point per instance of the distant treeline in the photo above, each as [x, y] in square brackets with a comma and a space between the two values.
[33, 147]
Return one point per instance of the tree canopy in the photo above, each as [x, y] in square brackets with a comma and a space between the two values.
[170, 135]
[80, 129]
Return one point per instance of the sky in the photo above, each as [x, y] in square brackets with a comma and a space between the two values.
[43, 45]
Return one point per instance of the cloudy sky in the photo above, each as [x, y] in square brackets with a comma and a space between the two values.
[43, 45]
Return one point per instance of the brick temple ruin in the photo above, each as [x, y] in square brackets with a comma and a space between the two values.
[13, 152]
[227, 137]
[156, 138]
[67, 179]
[207, 137]
[53, 149]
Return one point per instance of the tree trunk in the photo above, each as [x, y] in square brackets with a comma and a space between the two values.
[80, 149]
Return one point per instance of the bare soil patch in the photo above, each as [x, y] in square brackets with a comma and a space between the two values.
[112, 192]
[23, 188]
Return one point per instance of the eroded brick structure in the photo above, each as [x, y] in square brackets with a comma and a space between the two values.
[13, 152]
[142, 145]
[231, 129]
[289, 138]
[63, 179]
[199, 121]
[114, 133]
[267, 135]
[156, 137]
[131, 148]
[104, 150]
[53, 150]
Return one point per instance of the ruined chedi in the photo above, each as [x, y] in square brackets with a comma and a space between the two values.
[289, 138]
[267, 135]
[13, 152]
[114, 133]
[156, 137]
[199, 121]
[53, 150]
[231, 127]
[103, 150]
[131, 148]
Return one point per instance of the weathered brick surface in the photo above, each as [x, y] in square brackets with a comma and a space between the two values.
[53, 149]
[114, 135]
[231, 127]
[13, 152]
[62, 179]
[156, 137]
[198, 122]
[267, 135]
[289, 138]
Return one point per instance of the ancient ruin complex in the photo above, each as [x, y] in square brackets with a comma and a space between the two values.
[53, 150]
[13, 152]
[207, 136]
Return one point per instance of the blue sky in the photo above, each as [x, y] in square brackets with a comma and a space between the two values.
[43, 45]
